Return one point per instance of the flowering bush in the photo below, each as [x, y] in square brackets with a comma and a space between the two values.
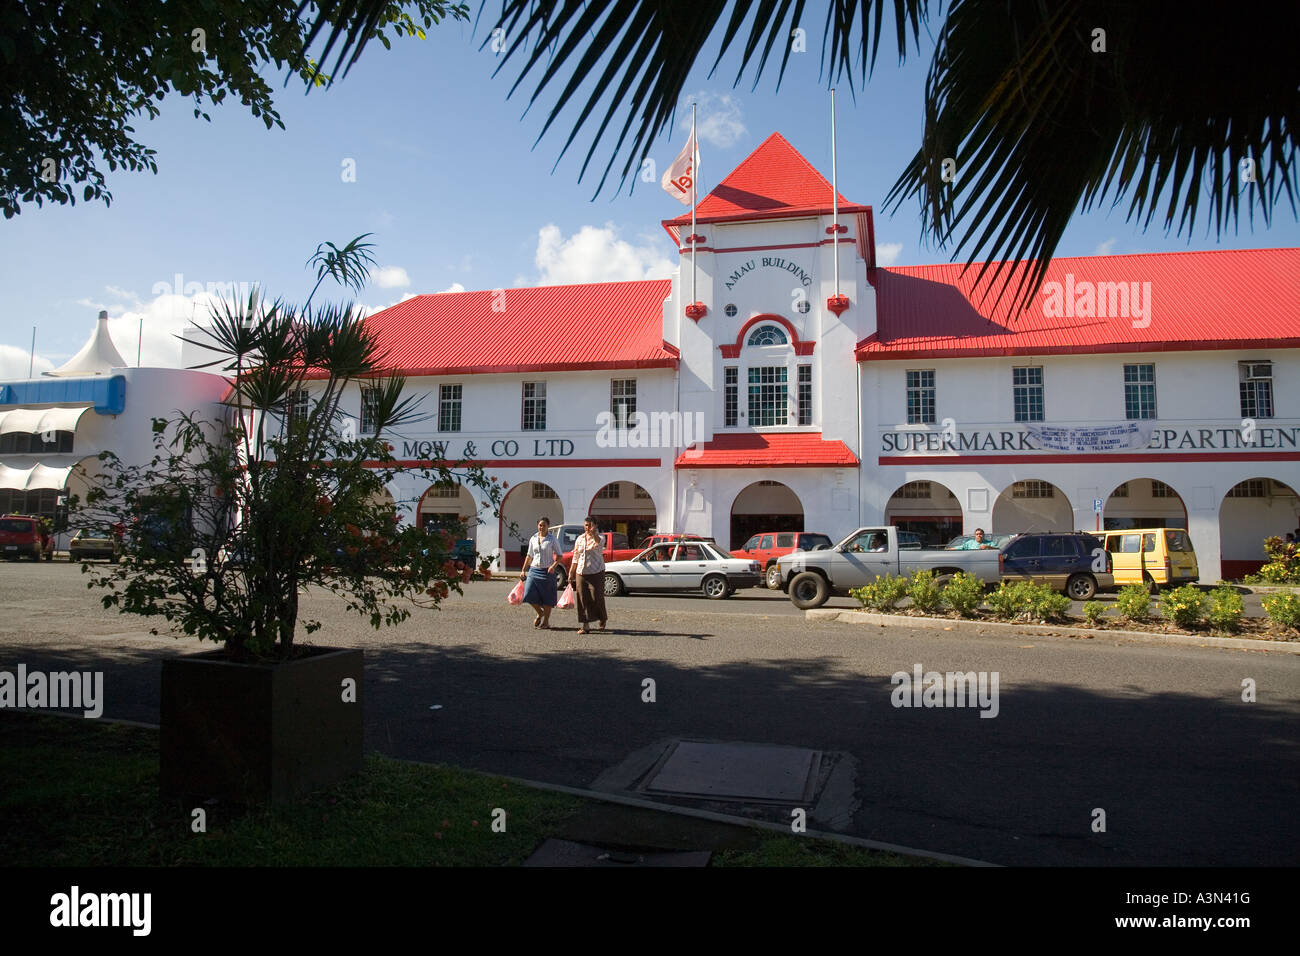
[926, 595]
[964, 594]
[1133, 602]
[1283, 565]
[1092, 611]
[1184, 606]
[1283, 609]
[1226, 609]
[881, 594]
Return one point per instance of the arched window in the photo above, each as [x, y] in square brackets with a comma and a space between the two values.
[768, 335]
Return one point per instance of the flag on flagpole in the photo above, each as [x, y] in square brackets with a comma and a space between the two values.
[680, 177]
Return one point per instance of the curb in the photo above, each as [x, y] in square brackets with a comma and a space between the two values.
[606, 797]
[944, 623]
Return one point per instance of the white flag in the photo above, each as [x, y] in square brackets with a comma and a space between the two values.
[679, 179]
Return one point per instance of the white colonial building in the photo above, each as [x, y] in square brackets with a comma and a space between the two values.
[744, 394]
[53, 428]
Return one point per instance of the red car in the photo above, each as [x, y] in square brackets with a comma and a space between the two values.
[766, 546]
[615, 549]
[21, 537]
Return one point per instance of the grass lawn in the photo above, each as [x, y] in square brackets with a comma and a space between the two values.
[85, 793]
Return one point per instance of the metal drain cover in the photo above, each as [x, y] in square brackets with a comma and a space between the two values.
[715, 771]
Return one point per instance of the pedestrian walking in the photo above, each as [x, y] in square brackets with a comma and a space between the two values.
[538, 574]
[589, 577]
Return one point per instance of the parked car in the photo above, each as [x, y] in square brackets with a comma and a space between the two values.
[766, 546]
[20, 537]
[86, 544]
[811, 577]
[651, 540]
[1074, 562]
[998, 541]
[1165, 557]
[615, 549]
[682, 566]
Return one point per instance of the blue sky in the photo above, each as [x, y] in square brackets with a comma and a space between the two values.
[448, 180]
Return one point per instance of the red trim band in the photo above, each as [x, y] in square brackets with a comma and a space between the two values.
[525, 463]
[1093, 459]
[1135, 348]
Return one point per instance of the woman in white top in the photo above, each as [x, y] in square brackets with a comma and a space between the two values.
[539, 573]
[589, 577]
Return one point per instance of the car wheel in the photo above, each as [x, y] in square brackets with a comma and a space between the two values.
[561, 577]
[943, 580]
[1150, 582]
[1081, 587]
[613, 585]
[715, 586]
[809, 590]
[773, 577]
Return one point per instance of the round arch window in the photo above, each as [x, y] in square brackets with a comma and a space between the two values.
[768, 335]
[730, 310]
[802, 307]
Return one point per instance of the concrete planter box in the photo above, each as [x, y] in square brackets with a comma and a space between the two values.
[255, 733]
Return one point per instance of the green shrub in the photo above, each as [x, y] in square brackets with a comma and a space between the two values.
[1009, 601]
[924, 592]
[1283, 609]
[1283, 565]
[1185, 606]
[964, 594]
[1226, 609]
[1092, 611]
[881, 594]
[1133, 602]
[1047, 604]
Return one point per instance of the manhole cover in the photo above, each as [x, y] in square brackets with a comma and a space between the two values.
[736, 772]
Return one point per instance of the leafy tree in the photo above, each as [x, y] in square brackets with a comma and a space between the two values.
[74, 75]
[1172, 103]
[226, 525]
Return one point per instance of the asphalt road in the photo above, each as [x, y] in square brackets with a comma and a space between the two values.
[1158, 737]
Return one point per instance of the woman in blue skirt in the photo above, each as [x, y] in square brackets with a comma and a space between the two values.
[542, 559]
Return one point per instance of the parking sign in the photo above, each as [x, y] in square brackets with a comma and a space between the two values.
[1096, 506]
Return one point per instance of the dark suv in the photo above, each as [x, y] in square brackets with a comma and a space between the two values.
[1073, 562]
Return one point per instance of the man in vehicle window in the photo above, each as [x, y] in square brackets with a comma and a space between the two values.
[976, 543]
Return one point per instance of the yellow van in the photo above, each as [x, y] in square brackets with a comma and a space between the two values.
[1164, 557]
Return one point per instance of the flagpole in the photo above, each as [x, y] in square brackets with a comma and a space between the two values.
[695, 174]
[835, 199]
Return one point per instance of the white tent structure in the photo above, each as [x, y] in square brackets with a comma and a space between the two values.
[97, 357]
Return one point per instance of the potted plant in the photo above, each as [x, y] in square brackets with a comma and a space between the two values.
[232, 521]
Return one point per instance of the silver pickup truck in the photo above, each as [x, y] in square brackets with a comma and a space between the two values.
[811, 577]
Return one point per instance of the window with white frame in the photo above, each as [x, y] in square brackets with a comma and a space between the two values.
[914, 489]
[1256, 389]
[298, 405]
[622, 401]
[369, 407]
[1160, 490]
[730, 397]
[609, 492]
[1033, 489]
[534, 411]
[805, 395]
[444, 491]
[1139, 391]
[449, 403]
[1252, 488]
[920, 396]
[1027, 393]
[543, 491]
[641, 493]
[1121, 491]
[767, 335]
[768, 396]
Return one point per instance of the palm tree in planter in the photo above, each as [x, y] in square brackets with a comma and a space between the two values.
[232, 521]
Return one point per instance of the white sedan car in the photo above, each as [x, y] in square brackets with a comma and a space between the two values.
[682, 566]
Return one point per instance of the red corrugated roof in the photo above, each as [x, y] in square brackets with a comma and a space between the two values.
[550, 328]
[1198, 300]
[774, 182]
[768, 449]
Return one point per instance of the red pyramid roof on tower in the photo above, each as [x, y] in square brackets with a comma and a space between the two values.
[774, 182]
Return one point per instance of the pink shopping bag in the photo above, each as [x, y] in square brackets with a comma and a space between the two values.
[566, 599]
[516, 595]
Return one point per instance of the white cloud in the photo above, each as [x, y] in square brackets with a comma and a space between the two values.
[887, 253]
[595, 254]
[1104, 248]
[391, 277]
[454, 287]
[718, 119]
[368, 310]
[15, 361]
